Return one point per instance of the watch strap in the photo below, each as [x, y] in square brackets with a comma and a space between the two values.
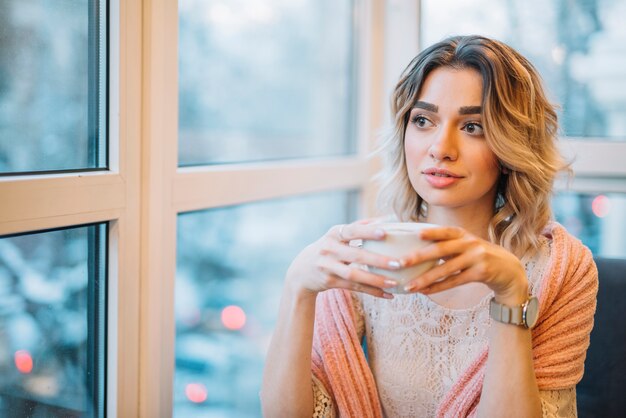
[506, 314]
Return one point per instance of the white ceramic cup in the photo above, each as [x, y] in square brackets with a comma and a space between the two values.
[401, 239]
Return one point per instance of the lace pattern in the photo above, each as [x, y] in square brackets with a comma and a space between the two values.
[558, 403]
[418, 349]
[323, 404]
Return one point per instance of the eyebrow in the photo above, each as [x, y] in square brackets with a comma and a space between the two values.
[470, 110]
[426, 106]
[465, 110]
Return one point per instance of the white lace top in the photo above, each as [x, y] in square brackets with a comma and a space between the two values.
[417, 349]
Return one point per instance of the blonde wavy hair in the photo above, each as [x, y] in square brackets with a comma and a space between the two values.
[520, 126]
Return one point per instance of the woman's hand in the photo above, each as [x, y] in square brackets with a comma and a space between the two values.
[468, 259]
[331, 262]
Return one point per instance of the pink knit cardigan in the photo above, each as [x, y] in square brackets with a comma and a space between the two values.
[567, 298]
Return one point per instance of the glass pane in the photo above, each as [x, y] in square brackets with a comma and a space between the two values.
[52, 323]
[264, 79]
[52, 85]
[578, 47]
[231, 263]
[598, 220]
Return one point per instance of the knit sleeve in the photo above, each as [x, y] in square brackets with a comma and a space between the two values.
[337, 358]
[558, 403]
[561, 337]
[567, 303]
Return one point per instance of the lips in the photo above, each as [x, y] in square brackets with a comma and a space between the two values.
[440, 177]
[440, 172]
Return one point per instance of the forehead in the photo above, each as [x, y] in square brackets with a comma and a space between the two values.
[451, 86]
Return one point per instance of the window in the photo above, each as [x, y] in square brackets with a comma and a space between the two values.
[577, 46]
[268, 104]
[597, 219]
[230, 268]
[52, 323]
[68, 213]
[136, 149]
[52, 85]
[261, 80]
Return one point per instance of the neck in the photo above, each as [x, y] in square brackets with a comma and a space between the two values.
[472, 220]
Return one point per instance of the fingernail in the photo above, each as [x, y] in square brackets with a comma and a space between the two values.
[394, 264]
[390, 282]
[387, 295]
[379, 233]
[409, 287]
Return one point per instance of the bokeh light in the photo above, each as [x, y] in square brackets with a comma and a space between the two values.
[196, 392]
[233, 317]
[23, 361]
[601, 206]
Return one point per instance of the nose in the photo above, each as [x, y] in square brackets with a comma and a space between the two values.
[444, 145]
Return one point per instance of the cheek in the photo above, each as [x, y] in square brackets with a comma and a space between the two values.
[413, 150]
[408, 152]
[413, 160]
[490, 165]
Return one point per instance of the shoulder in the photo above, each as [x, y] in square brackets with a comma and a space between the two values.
[570, 264]
[556, 231]
[566, 247]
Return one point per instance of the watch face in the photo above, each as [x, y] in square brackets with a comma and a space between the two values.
[531, 312]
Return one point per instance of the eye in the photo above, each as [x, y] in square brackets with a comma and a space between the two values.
[421, 121]
[474, 128]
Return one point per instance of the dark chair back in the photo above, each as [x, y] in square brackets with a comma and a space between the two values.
[602, 391]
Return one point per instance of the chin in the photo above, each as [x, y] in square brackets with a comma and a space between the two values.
[437, 197]
[444, 198]
[445, 203]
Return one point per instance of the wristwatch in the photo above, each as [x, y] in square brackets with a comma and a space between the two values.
[524, 315]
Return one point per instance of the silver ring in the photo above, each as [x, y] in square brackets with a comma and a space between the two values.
[341, 238]
[356, 243]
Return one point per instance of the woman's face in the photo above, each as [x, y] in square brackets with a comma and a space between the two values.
[447, 157]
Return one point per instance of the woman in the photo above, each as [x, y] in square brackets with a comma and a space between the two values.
[474, 150]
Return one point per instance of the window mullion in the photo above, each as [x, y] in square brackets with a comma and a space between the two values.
[158, 218]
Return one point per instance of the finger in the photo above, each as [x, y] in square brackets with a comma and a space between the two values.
[358, 287]
[356, 275]
[349, 232]
[450, 267]
[435, 251]
[358, 255]
[442, 233]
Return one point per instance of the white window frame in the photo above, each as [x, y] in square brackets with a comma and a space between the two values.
[144, 190]
[169, 190]
[598, 165]
[40, 202]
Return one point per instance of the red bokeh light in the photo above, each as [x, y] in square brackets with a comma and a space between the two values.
[233, 317]
[196, 392]
[601, 206]
[23, 361]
